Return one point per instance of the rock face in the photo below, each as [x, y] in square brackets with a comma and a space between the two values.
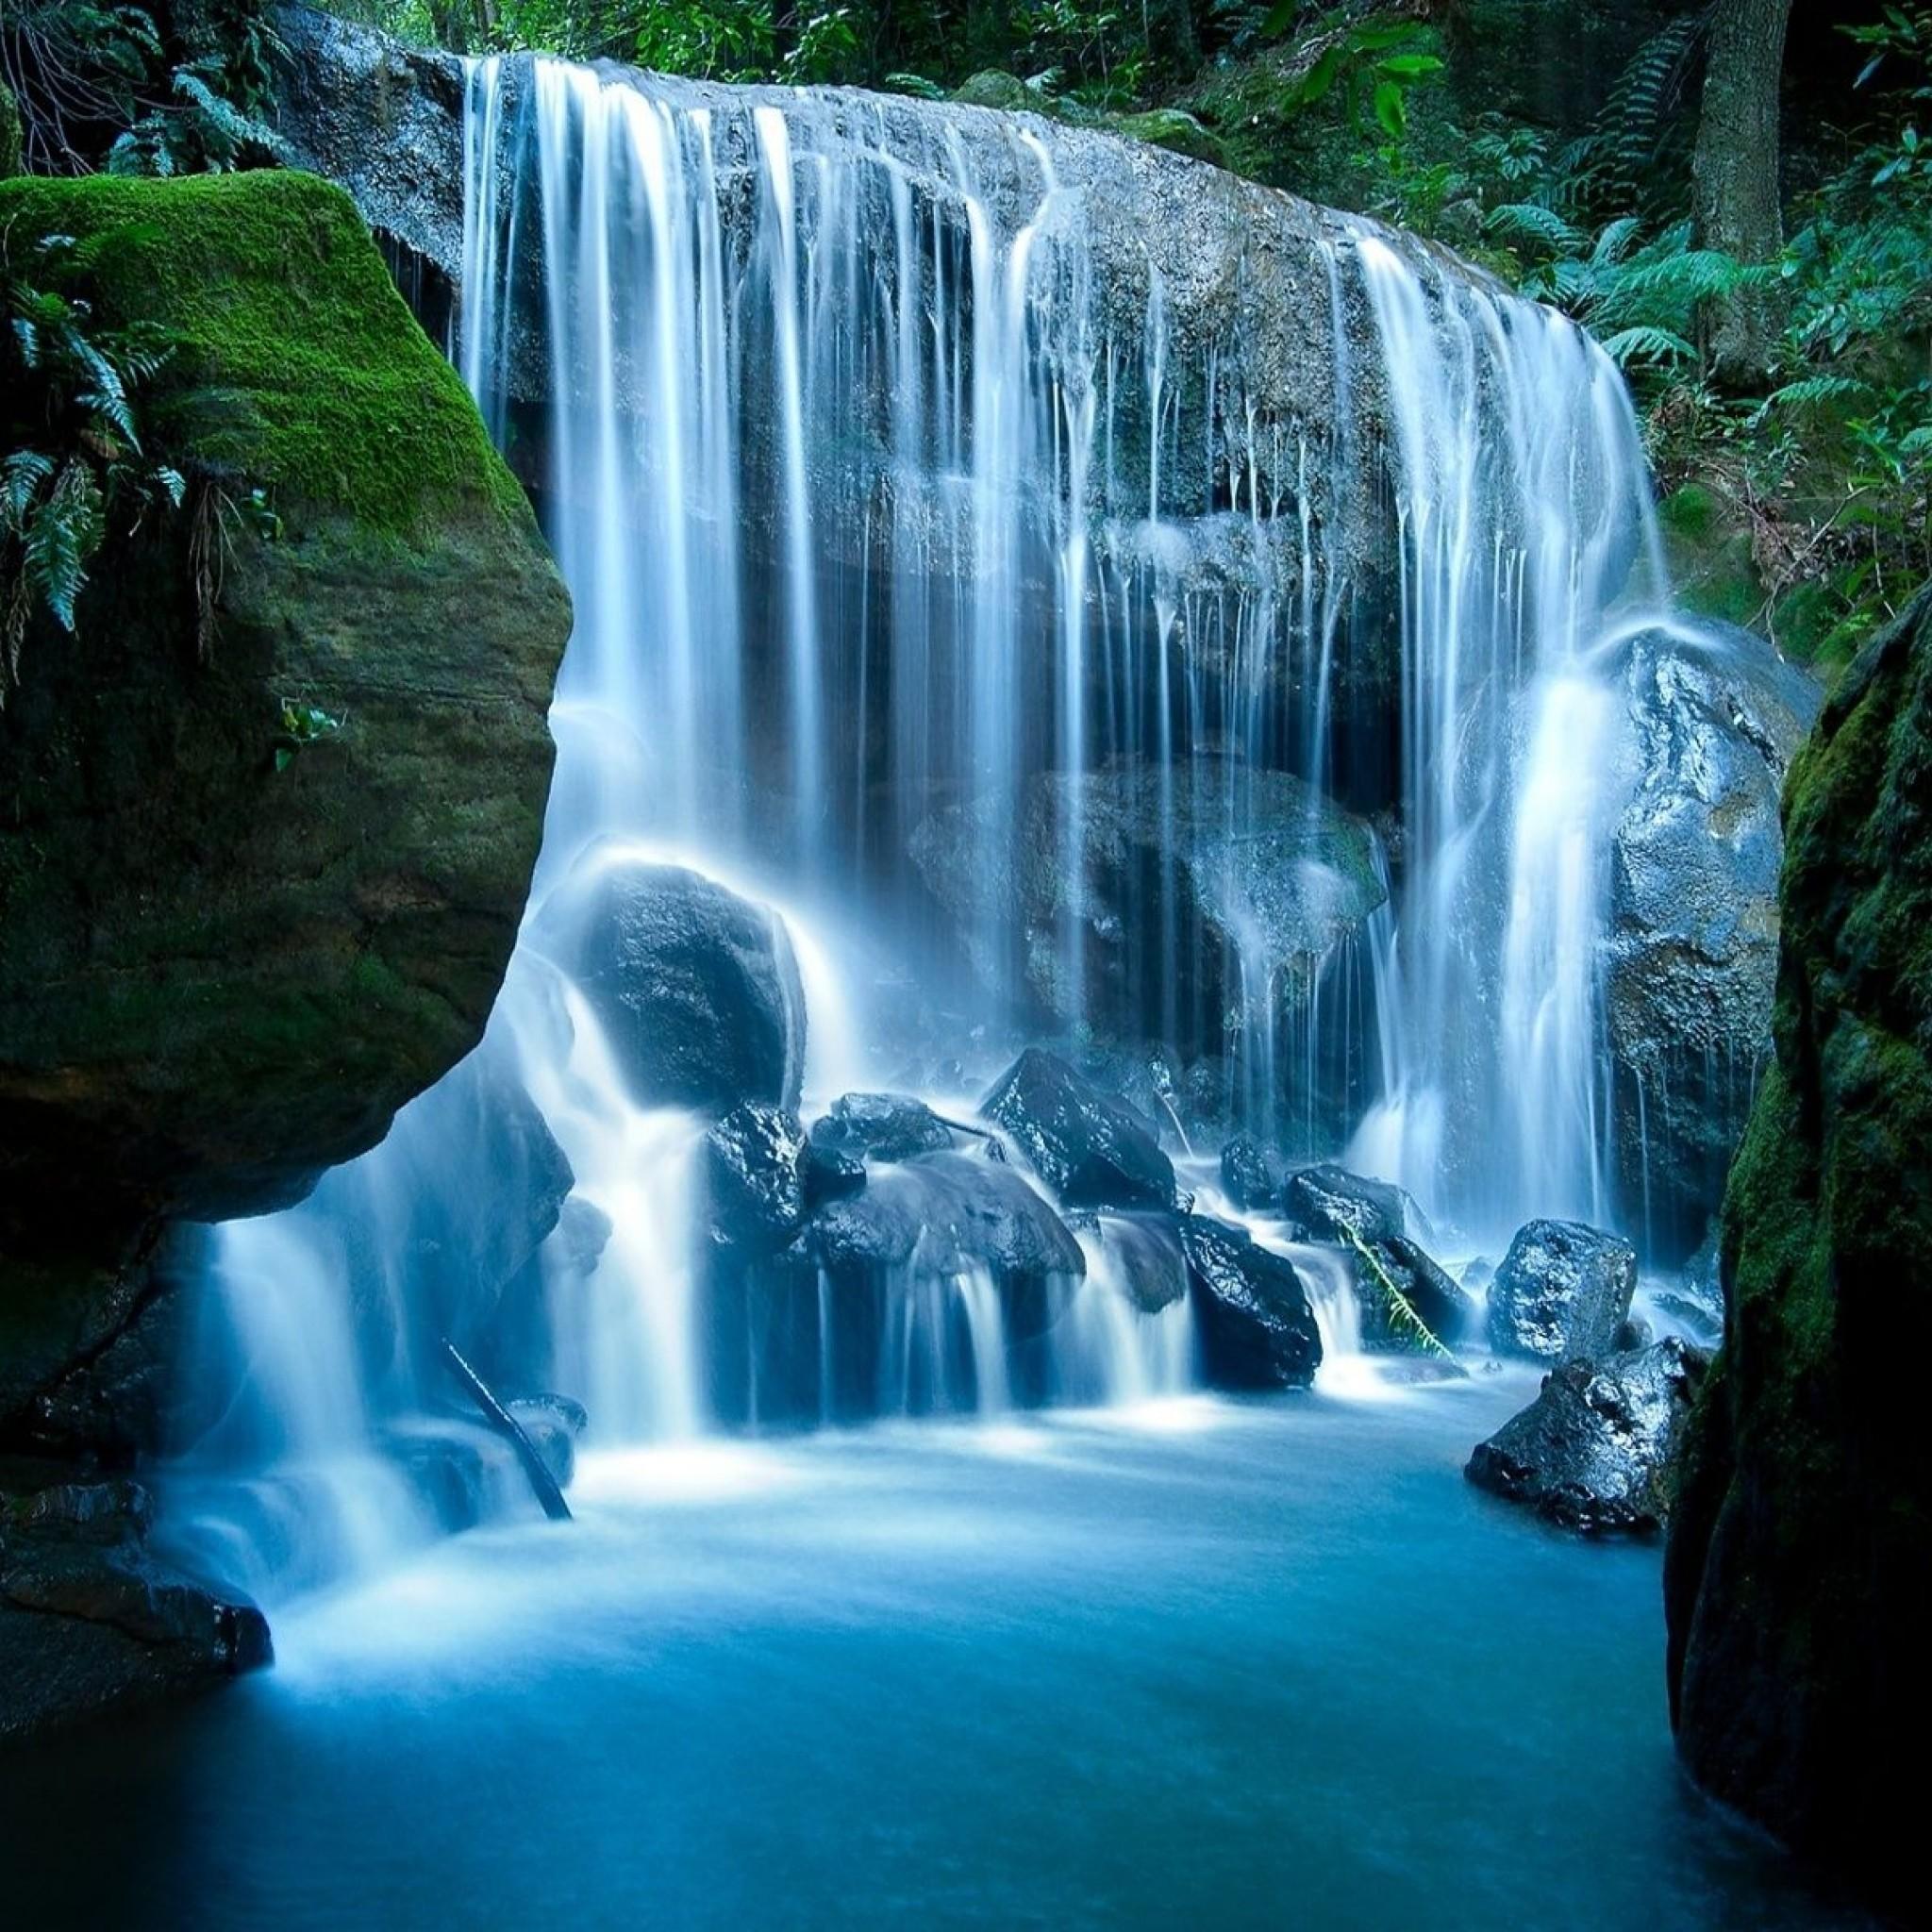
[90, 1621]
[1203, 910]
[1431, 1296]
[1693, 951]
[696, 987]
[227, 954]
[1798, 1578]
[1091, 1149]
[1563, 1290]
[1257, 1328]
[1595, 1449]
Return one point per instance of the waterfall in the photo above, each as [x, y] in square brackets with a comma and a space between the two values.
[1069, 645]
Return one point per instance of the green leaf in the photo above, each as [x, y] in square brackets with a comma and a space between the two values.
[1390, 110]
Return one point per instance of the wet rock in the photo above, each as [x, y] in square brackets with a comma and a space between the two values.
[1089, 1148]
[1692, 952]
[829, 1174]
[881, 1127]
[1144, 1255]
[1595, 1449]
[1251, 1174]
[1563, 1290]
[950, 1212]
[91, 1621]
[754, 1161]
[1439, 1303]
[1189, 930]
[1257, 1328]
[555, 1424]
[1329, 1204]
[697, 989]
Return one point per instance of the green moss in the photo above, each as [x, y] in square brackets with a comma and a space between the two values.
[9, 133]
[298, 364]
[1689, 511]
[1707, 547]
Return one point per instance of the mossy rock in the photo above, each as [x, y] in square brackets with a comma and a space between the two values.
[1708, 546]
[228, 957]
[1799, 1574]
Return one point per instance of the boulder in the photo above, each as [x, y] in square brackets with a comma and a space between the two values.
[1563, 1290]
[697, 989]
[754, 1161]
[881, 1127]
[1798, 1574]
[944, 1213]
[1595, 1451]
[1329, 1204]
[1251, 1174]
[90, 1621]
[1089, 1148]
[1142, 1254]
[830, 1173]
[1256, 1326]
[1691, 958]
[258, 886]
[1439, 1303]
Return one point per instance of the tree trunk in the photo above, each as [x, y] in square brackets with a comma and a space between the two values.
[1735, 171]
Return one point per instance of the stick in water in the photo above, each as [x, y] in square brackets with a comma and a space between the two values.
[504, 1423]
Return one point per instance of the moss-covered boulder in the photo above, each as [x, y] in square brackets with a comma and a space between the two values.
[1799, 1574]
[258, 883]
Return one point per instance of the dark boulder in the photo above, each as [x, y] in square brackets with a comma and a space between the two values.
[754, 1161]
[1798, 1574]
[555, 1424]
[1091, 1149]
[90, 1621]
[1596, 1450]
[1563, 1290]
[1251, 1174]
[1330, 1203]
[1143, 1254]
[698, 988]
[827, 1174]
[945, 1213]
[1692, 957]
[1257, 1328]
[881, 1127]
[1424, 1286]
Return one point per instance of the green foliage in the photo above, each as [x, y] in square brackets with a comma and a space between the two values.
[74, 455]
[126, 84]
[302, 725]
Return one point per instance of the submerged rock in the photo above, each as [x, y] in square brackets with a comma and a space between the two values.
[754, 1177]
[1091, 1149]
[1692, 944]
[1563, 1290]
[696, 987]
[90, 1621]
[1595, 1451]
[1798, 1576]
[881, 1127]
[1256, 1326]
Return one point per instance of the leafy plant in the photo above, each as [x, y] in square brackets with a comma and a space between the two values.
[302, 725]
[75, 458]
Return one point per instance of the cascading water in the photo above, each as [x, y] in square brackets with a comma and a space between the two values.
[954, 569]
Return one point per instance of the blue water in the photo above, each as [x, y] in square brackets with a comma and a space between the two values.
[1204, 1665]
